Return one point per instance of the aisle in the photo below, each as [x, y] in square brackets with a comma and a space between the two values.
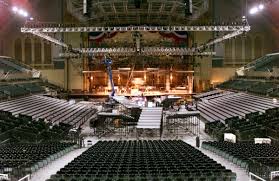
[45, 172]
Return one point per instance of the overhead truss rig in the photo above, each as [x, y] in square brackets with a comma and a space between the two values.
[43, 32]
[56, 28]
[132, 51]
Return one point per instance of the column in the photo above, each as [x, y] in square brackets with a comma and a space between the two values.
[32, 51]
[233, 51]
[253, 48]
[23, 49]
[168, 82]
[42, 53]
[243, 51]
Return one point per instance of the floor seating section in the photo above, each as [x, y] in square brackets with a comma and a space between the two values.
[246, 128]
[23, 128]
[252, 86]
[22, 158]
[260, 159]
[230, 104]
[143, 160]
[51, 109]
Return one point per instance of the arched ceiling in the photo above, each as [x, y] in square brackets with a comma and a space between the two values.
[124, 12]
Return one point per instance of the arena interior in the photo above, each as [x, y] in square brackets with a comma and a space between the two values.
[139, 90]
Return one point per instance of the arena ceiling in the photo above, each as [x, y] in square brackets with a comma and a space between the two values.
[124, 12]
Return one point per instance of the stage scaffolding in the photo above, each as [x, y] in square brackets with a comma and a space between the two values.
[116, 124]
[181, 123]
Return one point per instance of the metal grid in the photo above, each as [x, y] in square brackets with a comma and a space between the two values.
[109, 12]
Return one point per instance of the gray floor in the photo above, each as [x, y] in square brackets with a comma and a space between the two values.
[45, 173]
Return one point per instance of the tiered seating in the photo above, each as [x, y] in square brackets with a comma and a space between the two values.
[206, 94]
[239, 85]
[248, 155]
[23, 128]
[270, 62]
[32, 87]
[263, 88]
[5, 68]
[143, 160]
[234, 105]
[22, 158]
[246, 128]
[252, 86]
[13, 90]
[215, 129]
[51, 109]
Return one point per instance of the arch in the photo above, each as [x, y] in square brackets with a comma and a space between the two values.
[248, 49]
[38, 51]
[258, 46]
[18, 49]
[28, 51]
[47, 50]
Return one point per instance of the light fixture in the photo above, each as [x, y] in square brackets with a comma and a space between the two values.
[20, 12]
[15, 9]
[261, 6]
[254, 10]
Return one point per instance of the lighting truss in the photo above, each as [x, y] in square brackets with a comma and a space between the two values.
[132, 52]
[56, 28]
[51, 39]
[218, 40]
[40, 30]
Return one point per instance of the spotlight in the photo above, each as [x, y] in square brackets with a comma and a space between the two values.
[15, 9]
[254, 10]
[31, 18]
[261, 6]
[25, 14]
[21, 12]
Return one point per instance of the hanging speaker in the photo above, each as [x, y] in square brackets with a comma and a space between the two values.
[188, 7]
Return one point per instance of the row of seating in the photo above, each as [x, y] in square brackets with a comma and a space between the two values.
[19, 159]
[246, 128]
[234, 105]
[23, 128]
[51, 109]
[260, 159]
[252, 86]
[19, 89]
[147, 160]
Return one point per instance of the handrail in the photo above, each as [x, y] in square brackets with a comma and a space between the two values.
[27, 176]
[254, 175]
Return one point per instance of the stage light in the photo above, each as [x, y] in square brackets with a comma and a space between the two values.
[21, 12]
[254, 10]
[261, 6]
[15, 9]
[31, 18]
[25, 14]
